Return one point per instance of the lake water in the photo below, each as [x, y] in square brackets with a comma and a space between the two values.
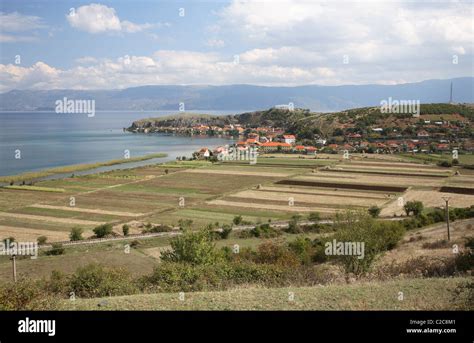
[48, 139]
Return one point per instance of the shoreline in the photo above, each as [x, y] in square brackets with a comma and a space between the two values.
[68, 169]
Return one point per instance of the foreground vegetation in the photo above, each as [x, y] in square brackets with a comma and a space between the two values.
[195, 263]
[418, 294]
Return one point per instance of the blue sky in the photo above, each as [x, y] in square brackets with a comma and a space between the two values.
[118, 44]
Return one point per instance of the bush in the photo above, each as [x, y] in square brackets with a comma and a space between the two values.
[226, 230]
[56, 249]
[463, 296]
[439, 244]
[422, 266]
[26, 295]
[264, 231]
[76, 234]
[157, 229]
[95, 280]
[415, 207]
[237, 220]
[303, 248]
[358, 227]
[374, 211]
[192, 247]
[445, 164]
[314, 217]
[464, 261]
[42, 240]
[103, 230]
[184, 277]
[125, 229]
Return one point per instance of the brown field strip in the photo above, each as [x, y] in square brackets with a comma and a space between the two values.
[233, 172]
[51, 219]
[376, 180]
[377, 172]
[457, 190]
[325, 191]
[393, 189]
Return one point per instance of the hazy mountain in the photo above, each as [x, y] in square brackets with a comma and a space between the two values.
[238, 97]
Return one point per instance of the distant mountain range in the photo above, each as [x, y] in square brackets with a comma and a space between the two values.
[244, 97]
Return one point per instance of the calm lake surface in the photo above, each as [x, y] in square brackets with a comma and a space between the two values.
[48, 139]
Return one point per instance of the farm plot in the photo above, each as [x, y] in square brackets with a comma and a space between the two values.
[308, 199]
[376, 180]
[429, 198]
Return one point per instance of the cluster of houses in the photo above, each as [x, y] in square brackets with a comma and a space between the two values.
[267, 140]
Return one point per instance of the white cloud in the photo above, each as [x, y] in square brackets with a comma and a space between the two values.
[215, 43]
[97, 18]
[16, 22]
[13, 23]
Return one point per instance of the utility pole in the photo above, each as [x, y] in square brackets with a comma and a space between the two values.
[446, 199]
[14, 267]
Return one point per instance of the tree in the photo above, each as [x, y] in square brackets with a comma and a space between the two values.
[293, 224]
[125, 229]
[76, 234]
[415, 207]
[103, 230]
[374, 211]
[194, 247]
[42, 240]
[237, 220]
[226, 230]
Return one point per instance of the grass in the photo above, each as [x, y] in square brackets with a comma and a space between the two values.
[36, 188]
[418, 294]
[464, 159]
[76, 168]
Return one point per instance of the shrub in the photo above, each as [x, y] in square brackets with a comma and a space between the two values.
[237, 220]
[303, 248]
[76, 234]
[226, 230]
[445, 164]
[192, 247]
[103, 230]
[463, 296]
[415, 207]
[264, 231]
[359, 227]
[25, 295]
[175, 277]
[157, 229]
[185, 224]
[422, 266]
[95, 280]
[56, 249]
[42, 240]
[272, 253]
[314, 217]
[374, 211]
[125, 229]
[439, 244]
[464, 261]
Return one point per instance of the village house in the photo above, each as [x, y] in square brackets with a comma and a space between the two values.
[289, 139]
[275, 146]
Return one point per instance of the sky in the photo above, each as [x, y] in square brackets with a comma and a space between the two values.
[59, 44]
